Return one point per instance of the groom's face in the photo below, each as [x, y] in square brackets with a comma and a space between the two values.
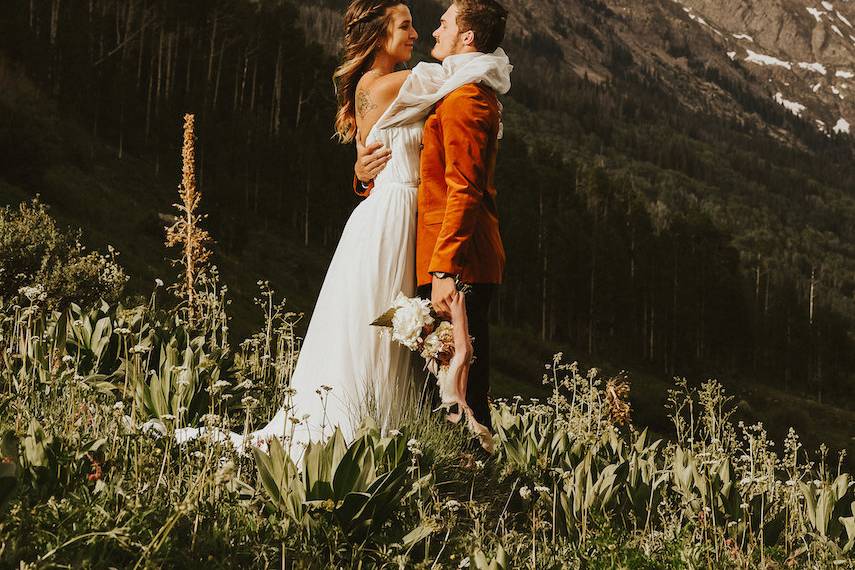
[449, 40]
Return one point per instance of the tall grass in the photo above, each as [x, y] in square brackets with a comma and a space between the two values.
[90, 475]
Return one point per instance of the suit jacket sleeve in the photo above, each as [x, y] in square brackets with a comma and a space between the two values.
[468, 126]
[359, 190]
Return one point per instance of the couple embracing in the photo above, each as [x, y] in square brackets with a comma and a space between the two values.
[427, 141]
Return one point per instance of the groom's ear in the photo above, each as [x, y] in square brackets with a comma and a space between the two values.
[468, 38]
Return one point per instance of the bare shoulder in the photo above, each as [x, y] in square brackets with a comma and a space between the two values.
[389, 85]
[374, 94]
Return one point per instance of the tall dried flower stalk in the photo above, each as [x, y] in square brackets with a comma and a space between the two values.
[186, 230]
[617, 398]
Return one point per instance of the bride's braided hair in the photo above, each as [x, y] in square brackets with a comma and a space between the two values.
[365, 24]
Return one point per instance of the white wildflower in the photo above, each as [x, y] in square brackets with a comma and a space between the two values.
[464, 563]
[158, 282]
[68, 359]
[33, 293]
[452, 505]
[394, 433]
[525, 492]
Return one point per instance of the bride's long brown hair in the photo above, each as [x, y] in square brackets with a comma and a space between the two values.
[365, 24]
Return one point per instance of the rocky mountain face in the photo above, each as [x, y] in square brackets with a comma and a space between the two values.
[710, 52]
[804, 51]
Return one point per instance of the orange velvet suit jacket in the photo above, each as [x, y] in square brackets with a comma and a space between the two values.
[458, 224]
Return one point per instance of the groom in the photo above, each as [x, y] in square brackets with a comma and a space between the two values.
[458, 237]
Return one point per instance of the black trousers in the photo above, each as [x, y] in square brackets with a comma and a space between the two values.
[477, 312]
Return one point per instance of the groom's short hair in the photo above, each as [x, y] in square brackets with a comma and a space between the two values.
[486, 19]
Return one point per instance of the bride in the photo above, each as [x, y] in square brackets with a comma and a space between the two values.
[346, 369]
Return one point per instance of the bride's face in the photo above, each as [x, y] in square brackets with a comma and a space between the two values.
[400, 34]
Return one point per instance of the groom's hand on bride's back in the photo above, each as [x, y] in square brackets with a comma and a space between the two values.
[370, 160]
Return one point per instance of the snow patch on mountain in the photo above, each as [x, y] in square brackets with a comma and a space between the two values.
[743, 37]
[842, 126]
[816, 13]
[817, 67]
[700, 20]
[792, 106]
[844, 74]
[761, 59]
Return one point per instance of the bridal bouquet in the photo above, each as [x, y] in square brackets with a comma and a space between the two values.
[446, 347]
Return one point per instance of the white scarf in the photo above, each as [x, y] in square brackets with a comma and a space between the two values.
[430, 82]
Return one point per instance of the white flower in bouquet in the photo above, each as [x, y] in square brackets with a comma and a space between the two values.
[411, 316]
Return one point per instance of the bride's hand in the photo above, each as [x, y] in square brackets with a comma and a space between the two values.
[462, 343]
[370, 160]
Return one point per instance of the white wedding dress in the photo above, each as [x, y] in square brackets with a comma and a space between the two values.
[368, 373]
[374, 261]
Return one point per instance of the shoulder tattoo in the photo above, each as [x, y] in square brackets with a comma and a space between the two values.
[364, 104]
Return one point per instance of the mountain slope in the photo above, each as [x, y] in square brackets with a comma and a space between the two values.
[806, 53]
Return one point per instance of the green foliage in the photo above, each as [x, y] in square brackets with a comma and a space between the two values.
[568, 486]
[360, 484]
[182, 376]
[481, 562]
[8, 468]
[43, 264]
